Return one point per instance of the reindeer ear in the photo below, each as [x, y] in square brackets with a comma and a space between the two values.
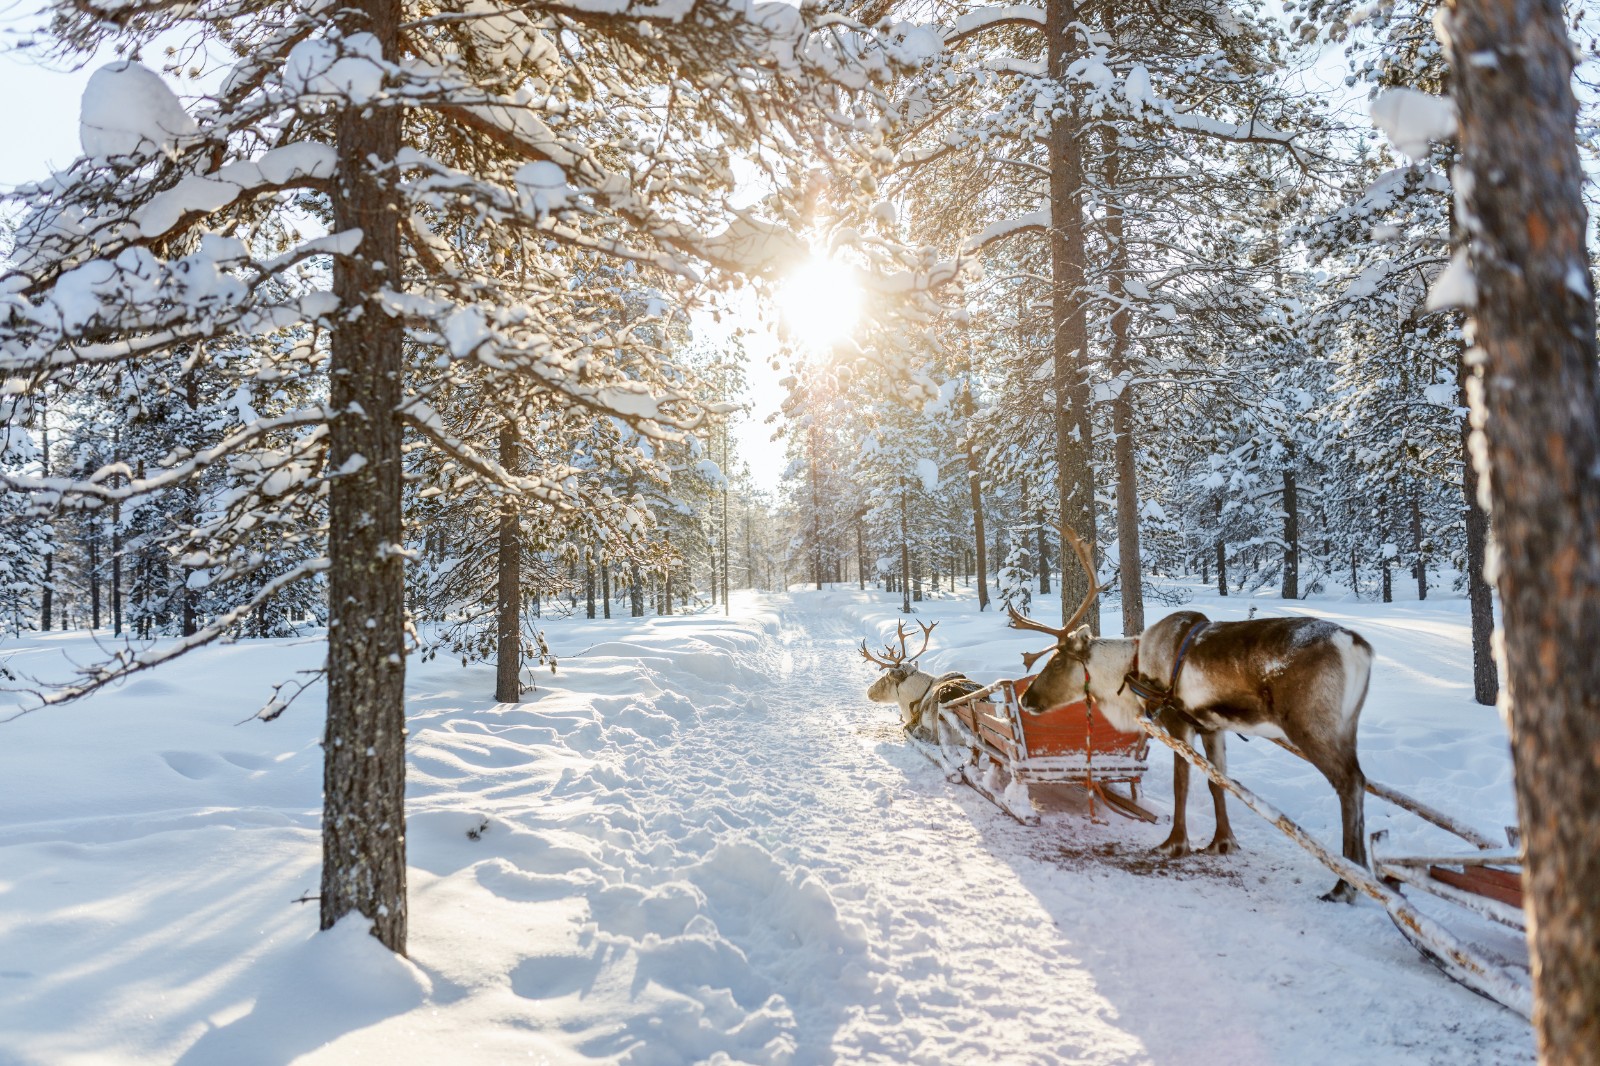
[1077, 642]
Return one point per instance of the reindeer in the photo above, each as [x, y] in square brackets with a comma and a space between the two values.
[917, 693]
[1300, 680]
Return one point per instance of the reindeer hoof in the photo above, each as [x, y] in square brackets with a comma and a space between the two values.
[1222, 845]
[1172, 848]
[1343, 892]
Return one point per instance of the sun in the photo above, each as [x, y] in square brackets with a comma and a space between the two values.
[819, 304]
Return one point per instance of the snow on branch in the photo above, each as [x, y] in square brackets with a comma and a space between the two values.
[97, 486]
[1411, 120]
[125, 661]
[987, 18]
[1032, 222]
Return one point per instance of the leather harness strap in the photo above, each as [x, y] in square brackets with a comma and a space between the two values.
[1156, 698]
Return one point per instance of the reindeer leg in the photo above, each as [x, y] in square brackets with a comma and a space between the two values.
[1337, 761]
[1222, 841]
[1352, 789]
[1177, 843]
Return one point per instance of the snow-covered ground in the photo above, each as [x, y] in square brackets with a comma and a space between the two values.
[698, 841]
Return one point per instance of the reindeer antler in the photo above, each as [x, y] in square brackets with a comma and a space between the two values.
[1086, 558]
[873, 659]
[891, 657]
[1019, 621]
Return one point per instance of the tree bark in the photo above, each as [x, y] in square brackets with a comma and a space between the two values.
[94, 571]
[363, 821]
[975, 492]
[508, 618]
[605, 587]
[1069, 316]
[861, 553]
[116, 539]
[1222, 556]
[47, 590]
[1044, 554]
[1129, 555]
[905, 553]
[1539, 412]
[1419, 566]
[1485, 671]
[1291, 536]
[589, 583]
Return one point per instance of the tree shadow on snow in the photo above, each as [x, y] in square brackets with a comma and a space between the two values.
[309, 995]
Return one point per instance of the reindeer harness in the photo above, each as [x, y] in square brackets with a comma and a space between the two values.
[1155, 698]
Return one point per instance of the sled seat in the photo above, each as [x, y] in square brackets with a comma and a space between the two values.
[1071, 744]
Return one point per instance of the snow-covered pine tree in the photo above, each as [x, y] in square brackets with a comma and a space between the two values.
[1104, 119]
[182, 228]
[1384, 246]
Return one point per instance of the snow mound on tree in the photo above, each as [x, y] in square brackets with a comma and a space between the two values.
[1410, 119]
[129, 110]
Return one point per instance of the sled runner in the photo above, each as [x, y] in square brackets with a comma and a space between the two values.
[1477, 881]
[986, 739]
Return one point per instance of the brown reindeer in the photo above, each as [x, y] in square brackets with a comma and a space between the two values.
[1302, 680]
[917, 693]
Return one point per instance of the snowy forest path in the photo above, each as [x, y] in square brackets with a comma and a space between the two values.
[956, 946]
[960, 936]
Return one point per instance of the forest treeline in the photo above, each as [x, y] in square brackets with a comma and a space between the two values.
[1229, 349]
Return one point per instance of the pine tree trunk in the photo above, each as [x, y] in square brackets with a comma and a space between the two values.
[749, 553]
[1128, 549]
[94, 573]
[1419, 567]
[1044, 555]
[726, 532]
[1127, 470]
[1291, 537]
[116, 568]
[47, 593]
[1485, 671]
[861, 555]
[605, 587]
[1070, 348]
[588, 582]
[975, 492]
[508, 586]
[363, 820]
[666, 577]
[905, 553]
[190, 606]
[1222, 556]
[116, 540]
[1539, 408]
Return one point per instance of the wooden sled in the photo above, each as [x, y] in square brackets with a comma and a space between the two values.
[986, 739]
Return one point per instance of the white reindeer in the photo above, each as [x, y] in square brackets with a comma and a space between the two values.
[917, 693]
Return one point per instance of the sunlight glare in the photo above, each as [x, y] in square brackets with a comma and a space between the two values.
[819, 304]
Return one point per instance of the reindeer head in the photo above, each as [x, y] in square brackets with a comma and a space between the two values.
[897, 664]
[1061, 679]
